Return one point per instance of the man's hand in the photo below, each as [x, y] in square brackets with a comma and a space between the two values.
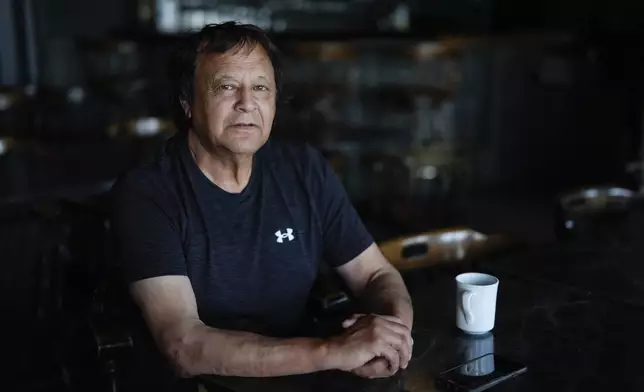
[380, 367]
[370, 338]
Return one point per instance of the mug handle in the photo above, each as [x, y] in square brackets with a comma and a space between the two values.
[466, 305]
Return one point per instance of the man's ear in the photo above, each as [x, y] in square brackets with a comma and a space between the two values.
[186, 107]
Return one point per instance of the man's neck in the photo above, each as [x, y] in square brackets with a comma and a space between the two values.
[231, 172]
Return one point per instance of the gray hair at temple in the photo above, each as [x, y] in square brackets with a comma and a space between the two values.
[214, 38]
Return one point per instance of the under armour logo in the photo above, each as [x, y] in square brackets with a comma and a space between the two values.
[280, 236]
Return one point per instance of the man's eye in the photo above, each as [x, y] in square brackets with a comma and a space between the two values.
[226, 87]
[260, 88]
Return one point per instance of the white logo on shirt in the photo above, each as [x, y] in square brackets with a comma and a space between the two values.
[280, 236]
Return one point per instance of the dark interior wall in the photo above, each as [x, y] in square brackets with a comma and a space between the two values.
[496, 15]
[8, 54]
[546, 114]
[60, 23]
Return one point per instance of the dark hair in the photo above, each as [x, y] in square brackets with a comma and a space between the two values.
[214, 38]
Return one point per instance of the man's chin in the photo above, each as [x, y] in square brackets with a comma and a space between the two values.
[247, 146]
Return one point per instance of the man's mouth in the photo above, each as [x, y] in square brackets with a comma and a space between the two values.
[244, 125]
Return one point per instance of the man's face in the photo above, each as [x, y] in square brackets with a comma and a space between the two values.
[234, 101]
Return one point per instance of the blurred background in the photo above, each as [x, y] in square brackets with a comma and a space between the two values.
[434, 113]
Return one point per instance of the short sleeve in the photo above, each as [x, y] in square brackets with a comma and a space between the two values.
[344, 233]
[147, 238]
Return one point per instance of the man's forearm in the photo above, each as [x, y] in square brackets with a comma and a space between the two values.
[205, 350]
[386, 294]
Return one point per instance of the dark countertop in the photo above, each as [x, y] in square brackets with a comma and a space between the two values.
[608, 266]
[571, 314]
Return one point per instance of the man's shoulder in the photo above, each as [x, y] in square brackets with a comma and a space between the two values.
[154, 176]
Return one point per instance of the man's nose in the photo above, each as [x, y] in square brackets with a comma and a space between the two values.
[245, 101]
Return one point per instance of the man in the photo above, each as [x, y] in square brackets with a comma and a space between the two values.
[222, 236]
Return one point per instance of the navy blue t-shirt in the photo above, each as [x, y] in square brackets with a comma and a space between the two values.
[252, 257]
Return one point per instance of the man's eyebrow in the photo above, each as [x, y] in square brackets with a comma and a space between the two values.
[215, 77]
[266, 79]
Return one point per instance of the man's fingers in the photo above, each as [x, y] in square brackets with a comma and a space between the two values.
[375, 368]
[411, 348]
[393, 325]
[399, 343]
[348, 322]
[393, 319]
[392, 356]
[351, 320]
[379, 368]
[404, 354]
[399, 336]
[392, 332]
[406, 351]
[355, 317]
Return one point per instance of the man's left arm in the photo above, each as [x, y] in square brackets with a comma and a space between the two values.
[350, 249]
[380, 290]
[377, 285]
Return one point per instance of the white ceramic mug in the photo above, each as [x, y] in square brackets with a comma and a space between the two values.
[475, 350]
[476, 302]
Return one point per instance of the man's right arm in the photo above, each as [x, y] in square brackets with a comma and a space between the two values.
[170, 310]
